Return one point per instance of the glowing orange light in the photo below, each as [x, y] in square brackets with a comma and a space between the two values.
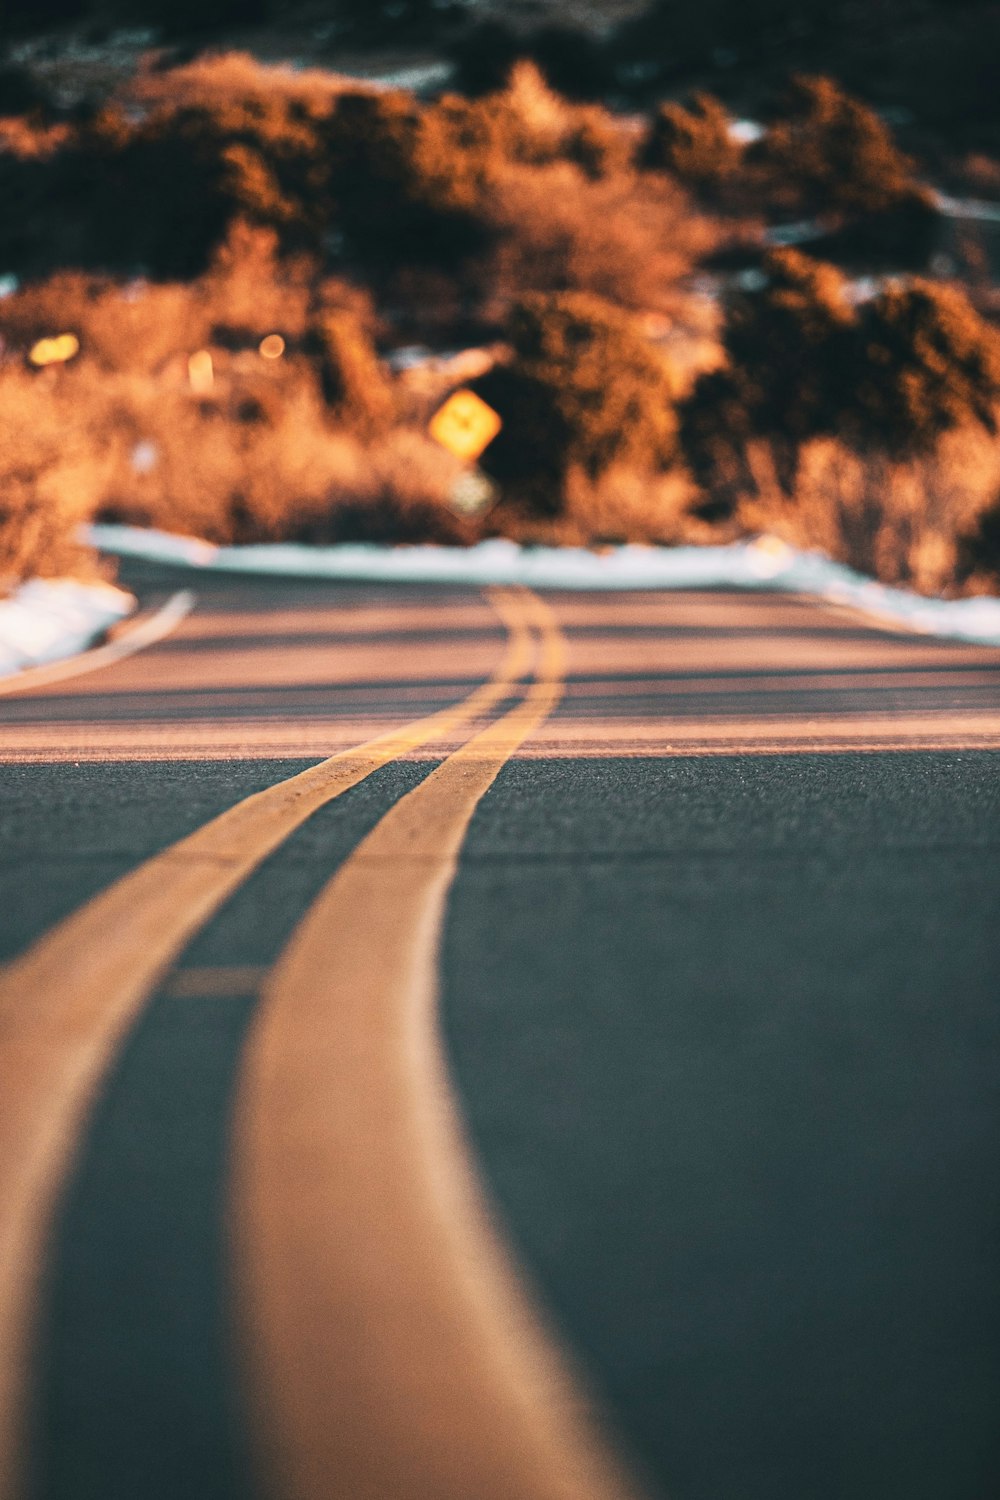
[201, 372]
[272, 347]
[55, 351]
[465, 425]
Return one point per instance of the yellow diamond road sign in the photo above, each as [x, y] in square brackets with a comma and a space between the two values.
[465, 425]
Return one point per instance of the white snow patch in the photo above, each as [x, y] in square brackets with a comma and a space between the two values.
[864, 288]
[746, 132]
[763, 563]
[416, 77]
[408, 356]
[47, 619]
[967, 208]
[799, 233]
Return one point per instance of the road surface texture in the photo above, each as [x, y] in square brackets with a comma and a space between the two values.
[467, 1046]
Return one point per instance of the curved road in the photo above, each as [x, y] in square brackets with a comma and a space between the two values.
[463, 1046]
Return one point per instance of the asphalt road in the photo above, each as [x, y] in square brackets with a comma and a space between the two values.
[718, 981]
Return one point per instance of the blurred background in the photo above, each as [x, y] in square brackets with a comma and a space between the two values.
[720, 269]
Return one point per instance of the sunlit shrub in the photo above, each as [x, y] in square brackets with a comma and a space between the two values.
[924, 522]
[583, 390]
[250, 290]
[51, 477]
[140, 325]
[261, 463]
[792, 357]
[530, 122]
[628, 238]
[803, 362]
[397, 491]
[620, 505]
[378, 180]
[401, 191]
[834, 152]
[929, 363]
[694, 143]
[979, 554]
[356, 386]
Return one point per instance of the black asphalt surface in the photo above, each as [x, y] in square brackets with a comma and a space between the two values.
[725, 1030]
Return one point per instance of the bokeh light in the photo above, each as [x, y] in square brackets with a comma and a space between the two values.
[54, 351]
[201, 372]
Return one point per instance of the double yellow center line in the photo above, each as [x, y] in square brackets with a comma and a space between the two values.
[341, 1119]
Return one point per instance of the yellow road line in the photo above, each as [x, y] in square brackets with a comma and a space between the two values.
[134, 636]
[389, 1352]
[67, 1002]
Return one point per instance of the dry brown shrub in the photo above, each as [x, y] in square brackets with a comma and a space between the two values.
[628, 238]
[232, 78]
[527, 121]
[138, 326]
[358, 388]
[890, 376]
[828, 152]
[258, 460]
[232, 467]
[51, 477]
[583, 389]
[247, 292]
[626, 505]
[396, 491]
[249, 289]
[29, 139]
[930, 363]
[903, 522]
[694, 143]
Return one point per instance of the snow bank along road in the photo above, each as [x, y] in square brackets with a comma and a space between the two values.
[460, 1042]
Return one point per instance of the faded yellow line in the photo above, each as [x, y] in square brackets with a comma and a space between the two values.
[388, 1348]
[224, 980]
[67, 1002]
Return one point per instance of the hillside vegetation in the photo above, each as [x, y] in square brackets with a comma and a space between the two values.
[209, 276]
